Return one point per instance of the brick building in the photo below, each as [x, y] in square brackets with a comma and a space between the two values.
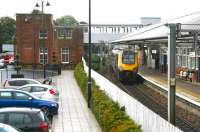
[39, 41]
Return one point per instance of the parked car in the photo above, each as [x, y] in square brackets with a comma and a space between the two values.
[25, 119]
[42, 91]
[8, 128]
[17, 82]
[8, 59]
[18, 98]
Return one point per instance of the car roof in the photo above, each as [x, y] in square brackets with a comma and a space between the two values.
[13, 79]
[10, 89]
[6, 127]
[14, 90]
[20, 109]
[40, 85]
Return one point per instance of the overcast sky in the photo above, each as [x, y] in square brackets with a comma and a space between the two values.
[106, 11]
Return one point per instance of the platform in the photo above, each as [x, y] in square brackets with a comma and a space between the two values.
[186, 88]
[74, 115]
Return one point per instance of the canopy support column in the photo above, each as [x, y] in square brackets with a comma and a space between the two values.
[171, 73]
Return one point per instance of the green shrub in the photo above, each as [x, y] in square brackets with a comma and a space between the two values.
[107, 112]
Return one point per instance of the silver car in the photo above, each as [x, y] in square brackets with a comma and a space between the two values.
[18, 82]
[48, 92]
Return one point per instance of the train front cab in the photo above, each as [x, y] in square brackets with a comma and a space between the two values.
[127, 67]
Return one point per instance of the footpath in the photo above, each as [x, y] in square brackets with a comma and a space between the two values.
[73, 115]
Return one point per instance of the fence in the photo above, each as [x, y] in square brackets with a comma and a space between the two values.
[149, 121]
[28, 73]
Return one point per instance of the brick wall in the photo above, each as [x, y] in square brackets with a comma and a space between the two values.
[28, 43]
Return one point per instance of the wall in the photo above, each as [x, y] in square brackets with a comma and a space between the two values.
[149, 121]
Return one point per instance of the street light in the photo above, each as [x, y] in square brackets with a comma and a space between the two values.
[89, 59]
[37, 5]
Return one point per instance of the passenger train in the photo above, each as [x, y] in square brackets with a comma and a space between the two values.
[125, 64]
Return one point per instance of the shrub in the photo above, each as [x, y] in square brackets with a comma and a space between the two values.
[107, 112]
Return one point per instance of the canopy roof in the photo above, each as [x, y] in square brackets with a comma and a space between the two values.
[160, 31]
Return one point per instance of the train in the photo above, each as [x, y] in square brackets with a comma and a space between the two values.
[125, 64]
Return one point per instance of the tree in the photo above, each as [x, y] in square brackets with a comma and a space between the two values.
[66, 21]
[7, 30]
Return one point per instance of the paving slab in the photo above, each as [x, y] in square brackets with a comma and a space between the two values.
[73, 114]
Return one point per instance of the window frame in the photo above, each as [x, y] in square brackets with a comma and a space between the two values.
[65, 52]
[43, 32]
[43, 53]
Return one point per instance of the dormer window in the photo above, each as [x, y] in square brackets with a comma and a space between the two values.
[43, 34]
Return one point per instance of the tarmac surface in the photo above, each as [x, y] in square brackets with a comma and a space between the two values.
[73, 115]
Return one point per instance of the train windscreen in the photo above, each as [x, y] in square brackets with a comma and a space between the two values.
[128, 57]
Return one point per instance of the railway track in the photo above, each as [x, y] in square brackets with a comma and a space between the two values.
[157, 102]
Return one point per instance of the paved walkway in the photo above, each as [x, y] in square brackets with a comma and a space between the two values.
[74, 115]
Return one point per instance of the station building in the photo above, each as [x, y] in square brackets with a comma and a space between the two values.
[39, 41]
[153, 40]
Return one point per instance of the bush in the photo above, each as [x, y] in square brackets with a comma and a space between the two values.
[107, 112]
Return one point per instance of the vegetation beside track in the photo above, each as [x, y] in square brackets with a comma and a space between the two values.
[108, 113]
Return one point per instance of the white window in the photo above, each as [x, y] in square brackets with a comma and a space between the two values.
[43, 55]
[43, 34]
[65, 55]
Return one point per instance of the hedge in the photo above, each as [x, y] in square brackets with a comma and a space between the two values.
[108, 113]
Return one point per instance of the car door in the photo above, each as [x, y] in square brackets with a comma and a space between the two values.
[38, 91]
[22, 99]
[6, 99]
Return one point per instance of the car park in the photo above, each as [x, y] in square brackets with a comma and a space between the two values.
[18, 98]
[42, 91]
[25, 119]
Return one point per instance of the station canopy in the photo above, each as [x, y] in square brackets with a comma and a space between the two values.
[159, 32]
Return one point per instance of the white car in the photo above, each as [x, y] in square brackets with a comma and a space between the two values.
[42, 91]
[17, 82]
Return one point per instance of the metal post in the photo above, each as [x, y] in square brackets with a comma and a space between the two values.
[42, 7]
[171, 72]
[195, 37]
[149, 57]
[43, 41]
[89, 59]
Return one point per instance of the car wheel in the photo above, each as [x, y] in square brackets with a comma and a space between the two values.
[45, 110]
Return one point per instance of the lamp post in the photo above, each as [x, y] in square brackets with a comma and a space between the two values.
[89, 59]
[42, 5]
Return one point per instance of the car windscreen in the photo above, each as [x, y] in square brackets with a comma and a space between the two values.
[17, 82]
[128, 57]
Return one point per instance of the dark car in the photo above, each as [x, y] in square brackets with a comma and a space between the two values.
[18, 98]
[25, 119]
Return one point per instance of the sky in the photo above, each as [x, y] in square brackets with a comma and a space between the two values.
[105, 11]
